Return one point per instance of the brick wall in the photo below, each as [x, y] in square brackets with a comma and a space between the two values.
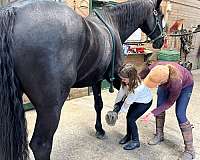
[189, 11]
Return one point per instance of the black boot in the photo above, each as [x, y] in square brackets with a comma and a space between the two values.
[132, 144]
[125, 139]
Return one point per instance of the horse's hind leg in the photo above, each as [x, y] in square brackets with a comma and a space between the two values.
[48, 110]
[98, 107]
[48, 117]
[46, 125]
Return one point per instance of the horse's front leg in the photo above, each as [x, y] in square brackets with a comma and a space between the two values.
[100, 133]
[117, 85]
[117, 82]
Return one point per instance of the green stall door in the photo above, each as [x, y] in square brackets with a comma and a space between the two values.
[169, 55]
[28, 106]
[98, 4]
[105, 84]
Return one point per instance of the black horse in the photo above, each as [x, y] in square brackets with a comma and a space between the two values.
[46, 49]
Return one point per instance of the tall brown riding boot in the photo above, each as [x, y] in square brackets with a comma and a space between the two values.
[159, 136]
[189, 153]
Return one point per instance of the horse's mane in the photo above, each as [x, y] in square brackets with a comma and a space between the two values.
[128, 14]
[129, 7]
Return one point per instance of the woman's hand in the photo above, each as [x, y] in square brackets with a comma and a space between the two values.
[147, 117]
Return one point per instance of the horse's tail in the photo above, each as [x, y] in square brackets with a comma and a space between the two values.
[13, 133]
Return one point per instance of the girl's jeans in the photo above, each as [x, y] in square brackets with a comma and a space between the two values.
[135, 111]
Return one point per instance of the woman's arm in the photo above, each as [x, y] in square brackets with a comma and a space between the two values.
[118, 106]
[144, 72]
[119, 99]
[121, 94]
[131, 98]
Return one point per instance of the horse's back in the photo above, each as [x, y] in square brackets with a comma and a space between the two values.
[46, 35]
[46, 28]
[45, 22]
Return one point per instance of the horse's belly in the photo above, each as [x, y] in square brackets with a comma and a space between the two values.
[91, 72]
[92, 77]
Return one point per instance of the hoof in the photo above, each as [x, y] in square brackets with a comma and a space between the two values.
[100, 135]
[111, 118]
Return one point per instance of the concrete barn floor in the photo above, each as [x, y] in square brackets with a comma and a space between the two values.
[75, 137]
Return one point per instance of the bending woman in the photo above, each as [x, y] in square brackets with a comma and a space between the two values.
[175, 85]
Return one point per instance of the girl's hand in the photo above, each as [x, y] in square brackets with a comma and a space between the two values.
[146, 118]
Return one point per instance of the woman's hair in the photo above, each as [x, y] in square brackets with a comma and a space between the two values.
[173, 72]
[130, 72]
